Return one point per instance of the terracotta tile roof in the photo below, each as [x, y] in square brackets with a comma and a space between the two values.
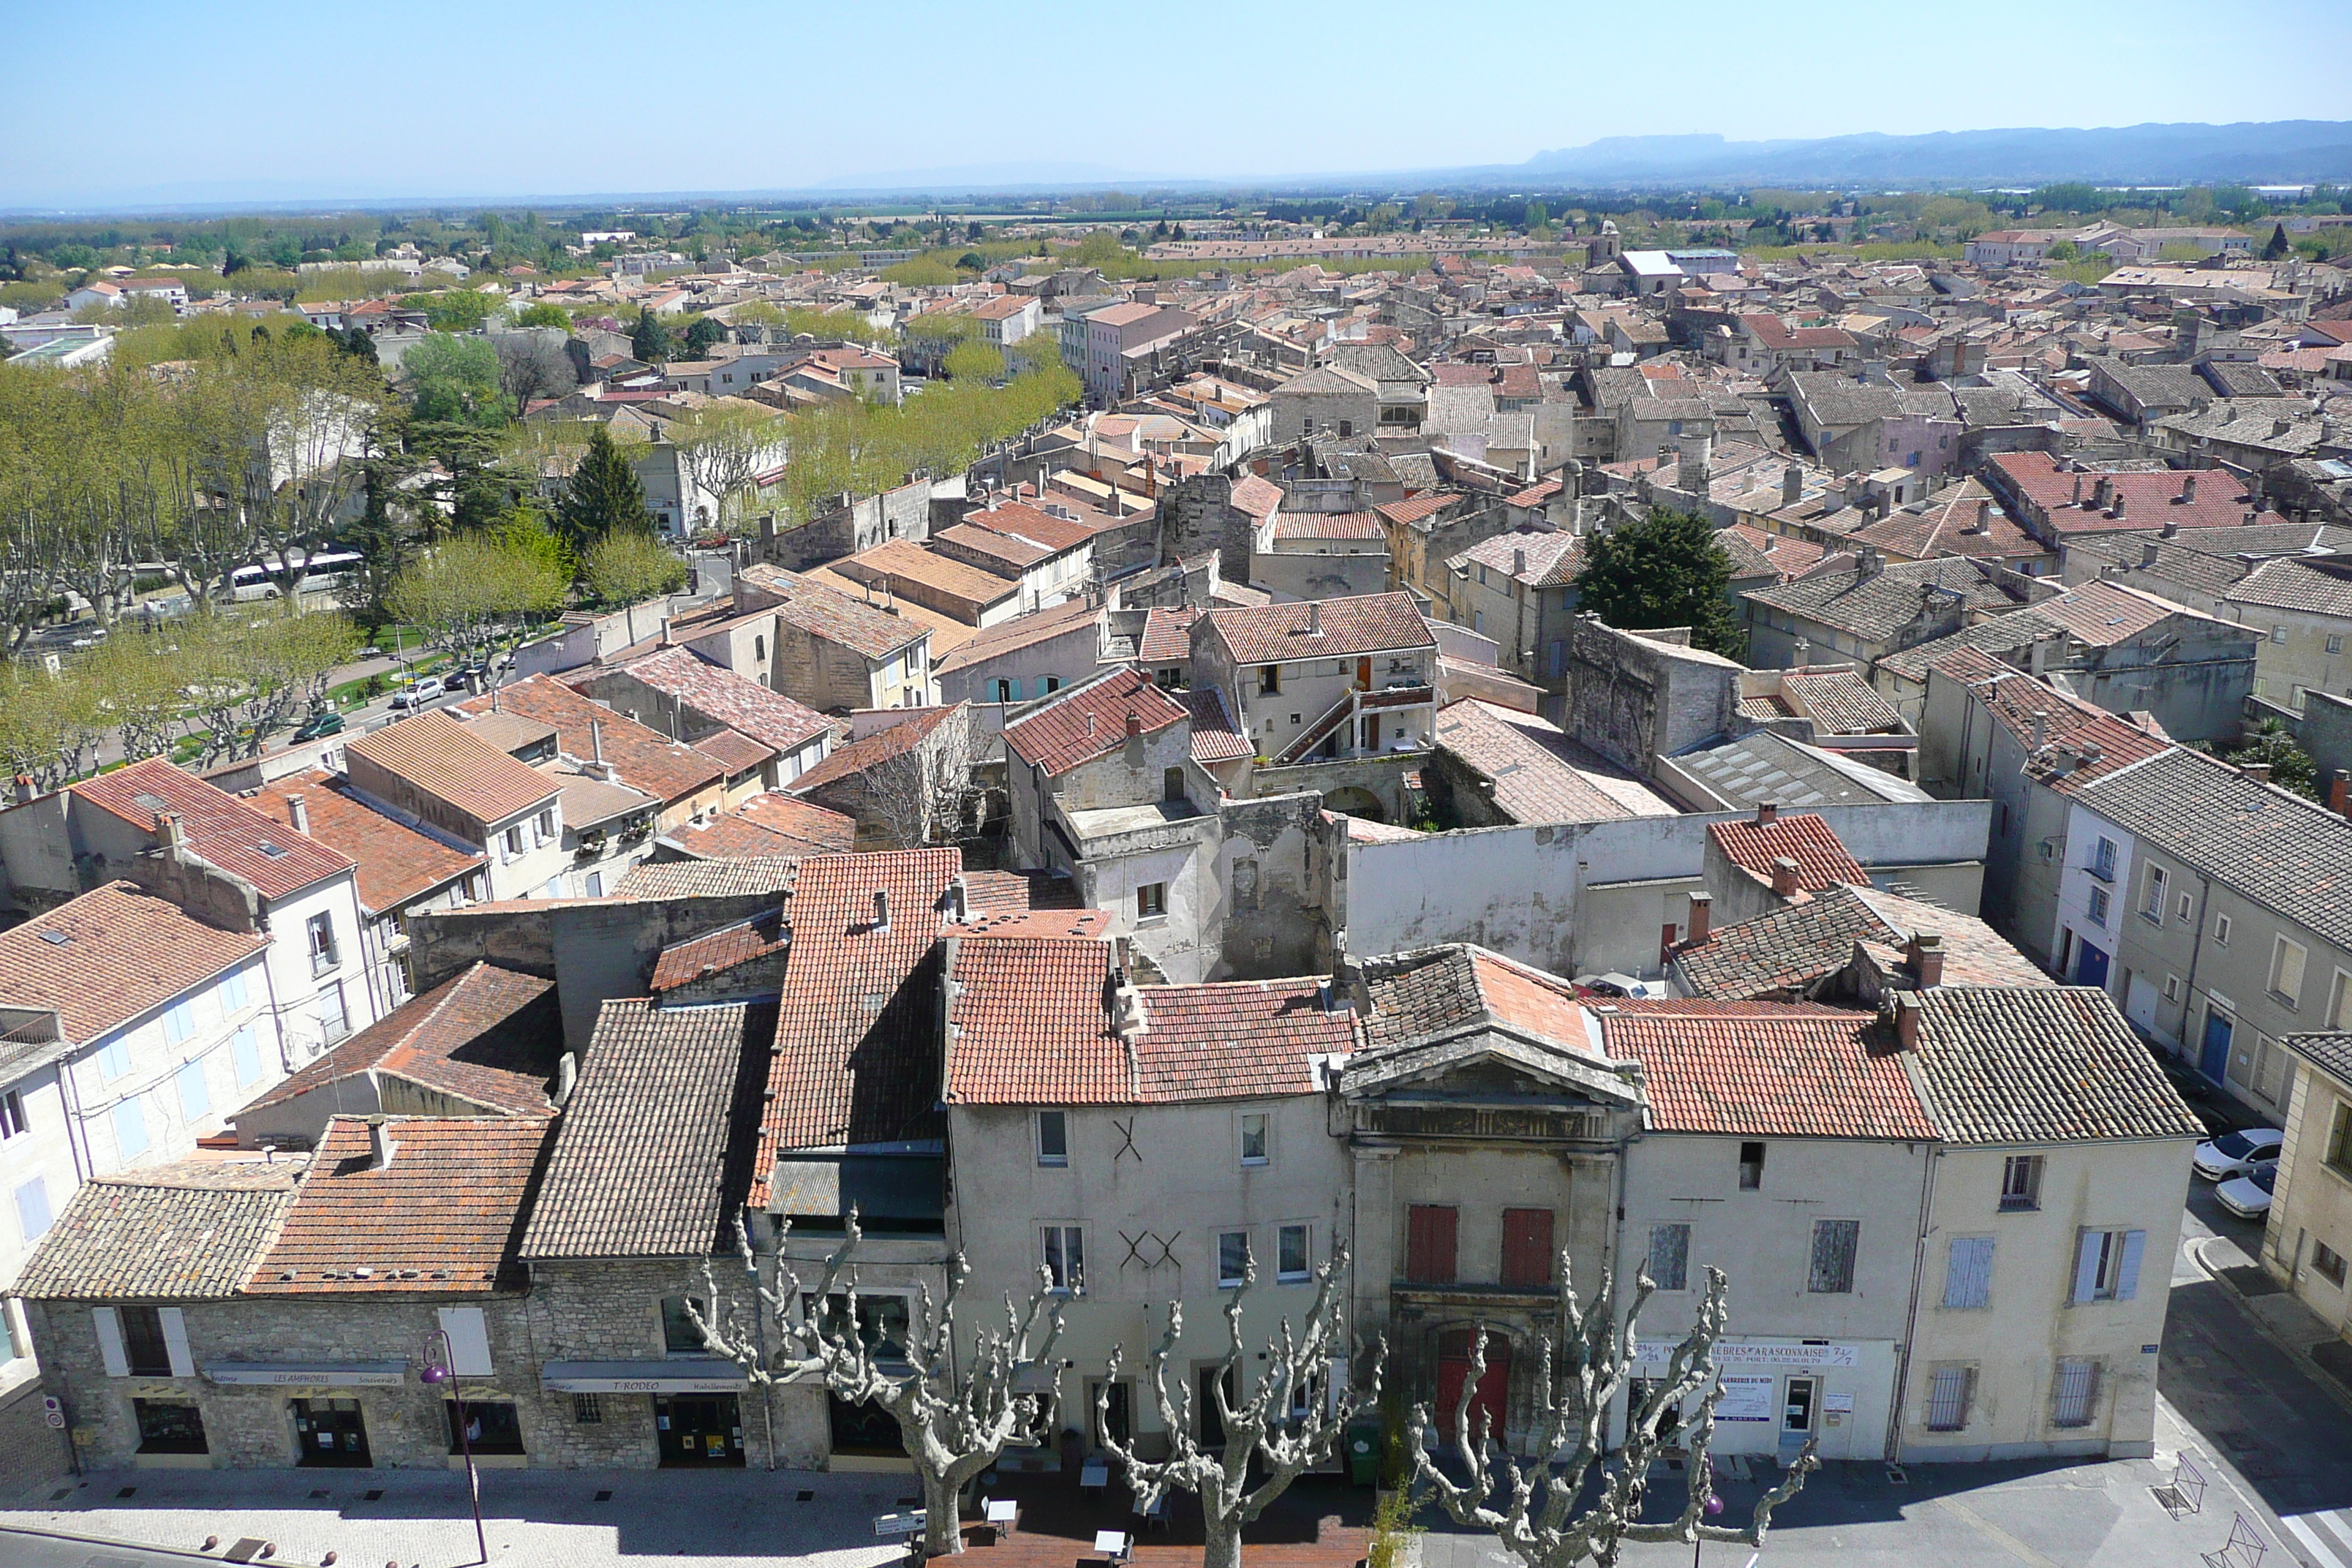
[652, 762]
[1090, 720]
[1021, 631]
[877, 748]
[718, 950]
[444, 1216]
[490, 1035]
[1017, 892]
[1768, 1070]
[1944, 529]
[741, 704]
[1031, 1025]
[1167, 636]
[2102, 613]
[798, 820]
[2288, 584]
[1328, 525]
[1536, 770]
[1215, 738]
[1821, 860]
[1370, 622]
[1783, 554]
[1788, 950]
[1842, 702]
[831, 615]
[396, 863]
[447, 760]
[1017, 555]
[184, 1232]
[856, 1036]
[125, 952]
[1550, 558]
[2150, 499]
[1039, 527]
[707, 878]
[2006, 1065]
[1414, 508]
[1877, 607]
[903, 561]
[1439, 989]
[653, 1153]
[1258, 497]
[222, 829]
[2012, 698]
[734, 750]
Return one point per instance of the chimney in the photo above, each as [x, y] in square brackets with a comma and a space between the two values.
[2040, 728]
[298, 812]
[1792, 485]
[381, 1148]
[665, 636]
[567, 1074]
[1120, 949]
[2172, 529]
[2258, 772]
[1784, 877]
[1519, 563]
[596, 741]
[1701, 914]
[1984, 518]
[1315, 617]
[959, 899]
[2117, 510]
[2339, 793]
[2103, 494]
[1927, 958]
[2189, 490]
[1907, 1020]
[167, 829]
[1804, 653]
[881, 908]
[1766, 810]
[2148, 552]
[2077, 500]
[1134, 725]
[2281, 427]
[24, 789]
[2038, 660]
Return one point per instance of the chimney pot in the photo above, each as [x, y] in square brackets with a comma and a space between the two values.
[2040, 729]
[1766, 810]
[1784, 877]
[959, 899]
[298, 813]
[2188, 489]
[1315, 617]
[381, 1148]
[1907, 1020]
[2258, 772]
[1701, 917]
[1927, 958]
[167, 829]
[596, 740]
[1134, 724]
[1984, 516]
[2148, 552]
[2117, 510]
[881, 908]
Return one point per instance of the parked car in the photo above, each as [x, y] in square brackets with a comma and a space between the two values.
[2249, 1197]
[371, 651]
[1616, 985]
[2237, 1153]
[320, 725]
[426, 687]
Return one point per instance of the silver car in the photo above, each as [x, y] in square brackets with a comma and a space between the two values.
[2249, 1197]
[2237, 1153]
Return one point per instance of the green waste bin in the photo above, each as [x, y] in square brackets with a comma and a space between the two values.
[1363, 1442]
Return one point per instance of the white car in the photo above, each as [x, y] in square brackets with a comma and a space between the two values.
[2237, 1153]
[2249, 1197]
[426, 689]
[1616, 983]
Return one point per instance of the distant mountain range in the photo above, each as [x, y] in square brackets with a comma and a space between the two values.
[2283, 152]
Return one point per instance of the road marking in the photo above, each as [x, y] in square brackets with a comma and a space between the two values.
[2002, 1538]
[2335, 1524]
[2310, 1538]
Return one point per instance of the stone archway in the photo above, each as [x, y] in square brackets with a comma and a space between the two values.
[1356, 802]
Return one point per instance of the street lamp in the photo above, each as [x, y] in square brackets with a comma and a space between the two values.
[1713, 1508]
[440, 1366]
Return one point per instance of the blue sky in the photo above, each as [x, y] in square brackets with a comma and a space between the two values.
[267, 99]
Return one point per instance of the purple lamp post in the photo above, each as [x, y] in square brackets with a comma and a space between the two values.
[440, 1366]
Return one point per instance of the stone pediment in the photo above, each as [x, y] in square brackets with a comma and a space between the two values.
[1486, 1065]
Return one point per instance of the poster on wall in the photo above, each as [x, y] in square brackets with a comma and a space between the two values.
[1746, 1399]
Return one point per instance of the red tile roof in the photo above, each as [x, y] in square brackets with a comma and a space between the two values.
[123, 952]
[1041, 528]
[1091, 720]
[734, 750]
[490, 1036]
[1767, 1069]
[831, 615]
[445, 759]
[1413, 508]
[2014, 698]
[1214, 737]
[1167, 636]
[444, 1215]
[2150, 499]
[646, 761]
[1258, 497]
[396, 862]
[1369, 623]
[880, 747]
[1821, 859]
[220, 829]
[739, 703]
[718, 950]
[1329, 525]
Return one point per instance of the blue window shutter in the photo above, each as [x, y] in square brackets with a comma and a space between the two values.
[196, 1100]
[2127, 1276]
[179, 1022]
[1968, 1276]
[246, 1051]
[33, 1209]
[2086, 1266]
[130, 1128]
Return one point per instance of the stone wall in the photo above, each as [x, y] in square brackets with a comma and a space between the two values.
[1197, 515]
[1630, 699]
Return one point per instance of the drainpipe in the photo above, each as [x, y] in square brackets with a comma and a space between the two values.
[2195, 949]
[1894, 1444]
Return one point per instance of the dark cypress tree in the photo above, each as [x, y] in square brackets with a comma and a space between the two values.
[651, 340]
[2278, 246]
[604, 495]
[702, 334]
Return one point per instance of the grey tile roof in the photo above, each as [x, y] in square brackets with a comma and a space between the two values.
[178, 1232]
[2284, 852]
[707, 878]
[2005, 1064]
[2329, 1051]
[1875, 607]
[2292, 583]
[652, 1155]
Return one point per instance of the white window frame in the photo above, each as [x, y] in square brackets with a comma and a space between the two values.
[2158, 882]
[2280, 946]
[1263, 1128]
[1065, 1265]
[1233, 1281]
[1305, 1234]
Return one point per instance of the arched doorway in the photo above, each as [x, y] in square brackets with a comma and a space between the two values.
[1494, 1395]
[1357, 802]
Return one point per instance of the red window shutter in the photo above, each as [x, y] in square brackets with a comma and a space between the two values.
[1527, 1248]
[1429, 1243]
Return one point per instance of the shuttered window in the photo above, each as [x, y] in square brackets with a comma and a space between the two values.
[1967, 1272]
[2075, 1393]
[1948, 1388]
[1670, 1257]
[2106, 1265]
[1527, 1248]
[1429, 1243]
[1835, 1241]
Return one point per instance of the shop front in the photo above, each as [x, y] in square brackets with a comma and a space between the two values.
[1780, 1393]
[697, 1408]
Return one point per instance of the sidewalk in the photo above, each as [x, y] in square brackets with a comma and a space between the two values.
[2296, 1328]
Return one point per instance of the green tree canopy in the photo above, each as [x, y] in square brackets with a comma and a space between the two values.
[544, 314]
[455, 380]
[975, 360]
[602, 497]
[628, 568]
[651, 340]
[701, 333]
[1668, 569]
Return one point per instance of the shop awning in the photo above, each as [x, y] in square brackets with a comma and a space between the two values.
[698, 1374]
[309, 1374]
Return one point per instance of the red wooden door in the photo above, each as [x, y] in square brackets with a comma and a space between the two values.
[1493, 1397]
[1429, 1243]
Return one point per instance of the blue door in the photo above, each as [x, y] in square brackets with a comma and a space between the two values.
[2091, 966]
[2214, 1061]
